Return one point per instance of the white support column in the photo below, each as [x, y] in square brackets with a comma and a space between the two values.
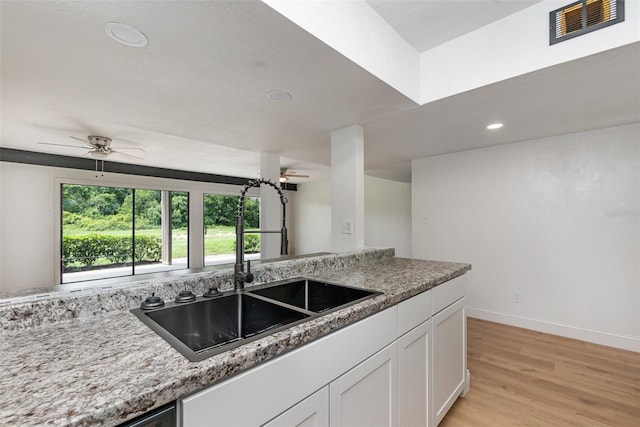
[347, 189]
[167, 241]
[196, 229]
[270, 207]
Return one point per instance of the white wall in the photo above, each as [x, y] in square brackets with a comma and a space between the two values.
[387, 216]
[29, 208]
[27, 231]
[556, 220]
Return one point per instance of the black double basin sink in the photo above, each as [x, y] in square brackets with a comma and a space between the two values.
[208, 326]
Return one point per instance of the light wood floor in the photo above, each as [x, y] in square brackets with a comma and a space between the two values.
[525, 378]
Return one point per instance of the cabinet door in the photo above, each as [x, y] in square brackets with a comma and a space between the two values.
[414, 382]
[311, 412]
[449, 357]
[367, 394]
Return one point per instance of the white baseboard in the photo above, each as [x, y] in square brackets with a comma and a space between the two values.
[596, 337]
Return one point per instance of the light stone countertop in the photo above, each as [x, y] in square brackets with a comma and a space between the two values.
[107, 368]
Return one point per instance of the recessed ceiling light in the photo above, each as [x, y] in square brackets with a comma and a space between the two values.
[278, 96]
[494, 126]
[125, 34]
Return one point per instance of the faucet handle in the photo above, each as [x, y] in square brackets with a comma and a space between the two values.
[248, 278]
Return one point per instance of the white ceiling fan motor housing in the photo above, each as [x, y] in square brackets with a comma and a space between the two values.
[99, 141]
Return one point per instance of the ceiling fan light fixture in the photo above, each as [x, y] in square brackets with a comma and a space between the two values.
[99, 155]
[125, 34]
[283, 179]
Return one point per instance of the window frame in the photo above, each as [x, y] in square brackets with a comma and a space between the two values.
[128, 184]
[195, 190]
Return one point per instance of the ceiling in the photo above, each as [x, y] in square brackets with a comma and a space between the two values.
[195, 97]
[426, 24]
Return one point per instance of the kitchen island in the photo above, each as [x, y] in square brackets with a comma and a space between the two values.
[104, 366]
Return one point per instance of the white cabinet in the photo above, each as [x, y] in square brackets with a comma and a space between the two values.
[401, 366]
[311, 412]
[450, 378]
[366, 395]
[414, 372]
[273, 387]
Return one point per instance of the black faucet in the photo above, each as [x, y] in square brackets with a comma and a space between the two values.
[240, 277]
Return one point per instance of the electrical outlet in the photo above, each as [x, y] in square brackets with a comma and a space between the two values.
[347, 226]
[516, 297]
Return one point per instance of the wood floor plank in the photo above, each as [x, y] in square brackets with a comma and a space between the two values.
[527, 378]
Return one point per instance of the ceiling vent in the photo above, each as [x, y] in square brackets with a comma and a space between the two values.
[582, 17]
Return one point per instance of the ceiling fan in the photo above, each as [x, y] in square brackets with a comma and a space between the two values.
[99, 147]
[285, 174]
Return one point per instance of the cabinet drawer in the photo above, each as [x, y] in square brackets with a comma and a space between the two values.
[449, 292]
[413, 312]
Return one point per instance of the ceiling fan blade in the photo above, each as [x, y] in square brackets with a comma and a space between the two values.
[128, 148]
[87, 143]
[126, 155]
[289, 173]
[59, 145]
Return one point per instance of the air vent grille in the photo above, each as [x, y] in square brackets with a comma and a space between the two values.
[583, 17]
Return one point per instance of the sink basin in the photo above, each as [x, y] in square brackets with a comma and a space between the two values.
[314, 296]
[210, 326]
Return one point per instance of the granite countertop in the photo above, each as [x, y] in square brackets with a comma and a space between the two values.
[107, 368]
